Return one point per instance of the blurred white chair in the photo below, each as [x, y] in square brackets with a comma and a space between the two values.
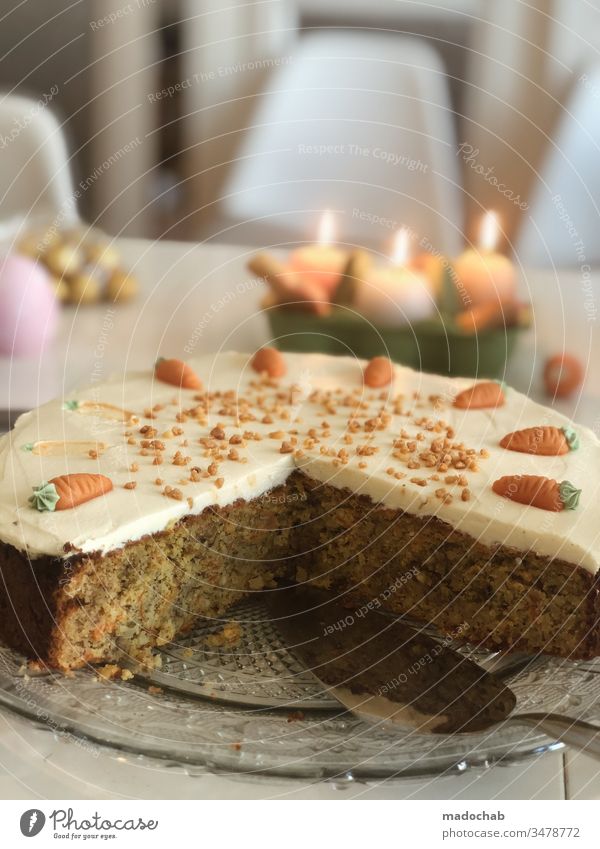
[563, 220]
[360, 123]
[35, 180]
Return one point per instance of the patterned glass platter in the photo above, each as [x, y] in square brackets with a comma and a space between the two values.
[249, 707]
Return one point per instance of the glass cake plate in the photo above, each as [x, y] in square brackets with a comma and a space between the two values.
[249, 707]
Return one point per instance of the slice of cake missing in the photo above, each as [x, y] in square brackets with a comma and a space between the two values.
[130, 510]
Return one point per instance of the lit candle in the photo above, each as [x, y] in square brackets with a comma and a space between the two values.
[396, 294]
[321, 264]
[485, 275]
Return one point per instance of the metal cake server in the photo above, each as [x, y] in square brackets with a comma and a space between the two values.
[388, 671]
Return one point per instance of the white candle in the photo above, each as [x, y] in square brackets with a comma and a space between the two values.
[397, 294]
[485, 275]
[321, 264]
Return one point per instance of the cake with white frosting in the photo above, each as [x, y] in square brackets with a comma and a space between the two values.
[134, 507]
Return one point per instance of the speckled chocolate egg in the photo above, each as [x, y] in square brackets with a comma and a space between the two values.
[28, 307]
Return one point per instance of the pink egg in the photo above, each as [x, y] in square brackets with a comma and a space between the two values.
[28, 308]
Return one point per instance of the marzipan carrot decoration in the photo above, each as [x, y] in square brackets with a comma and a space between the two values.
[65, 448]
[67, 491]
[177, 373]
[563, 374]
[544, 440]
[545, 493]
[481, 396]
[269, 360]
[101, 410]
[378, 372]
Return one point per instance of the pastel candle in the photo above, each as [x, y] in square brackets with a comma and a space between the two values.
[485, 275]
[320, 264]
[396, 294]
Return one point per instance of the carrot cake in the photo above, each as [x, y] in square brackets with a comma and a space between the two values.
[133, 508]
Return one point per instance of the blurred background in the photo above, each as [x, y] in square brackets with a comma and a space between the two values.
[424, 172]
[187, 120]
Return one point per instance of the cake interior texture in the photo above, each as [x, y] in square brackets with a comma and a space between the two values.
[119, 606]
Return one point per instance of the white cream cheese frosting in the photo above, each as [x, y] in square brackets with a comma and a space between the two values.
[298, 421]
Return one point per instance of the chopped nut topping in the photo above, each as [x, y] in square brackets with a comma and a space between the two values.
[171, 492]
[286, 448]
[180, 460]
[148, 431]
[130, 485]
[366, 450]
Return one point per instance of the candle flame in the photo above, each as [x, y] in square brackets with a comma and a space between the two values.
[326, 228]
[490, 231]
[400, 250]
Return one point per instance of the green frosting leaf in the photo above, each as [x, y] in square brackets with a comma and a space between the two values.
[70, 405]
[571, 437]
[569, 495]
[44, 497]
[28, 446]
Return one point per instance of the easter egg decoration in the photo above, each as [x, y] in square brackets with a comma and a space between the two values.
[28, 307]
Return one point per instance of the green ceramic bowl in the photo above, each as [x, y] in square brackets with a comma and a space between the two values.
[432, 345]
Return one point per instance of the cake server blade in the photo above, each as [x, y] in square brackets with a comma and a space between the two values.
[393, 673]
[386, 670]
